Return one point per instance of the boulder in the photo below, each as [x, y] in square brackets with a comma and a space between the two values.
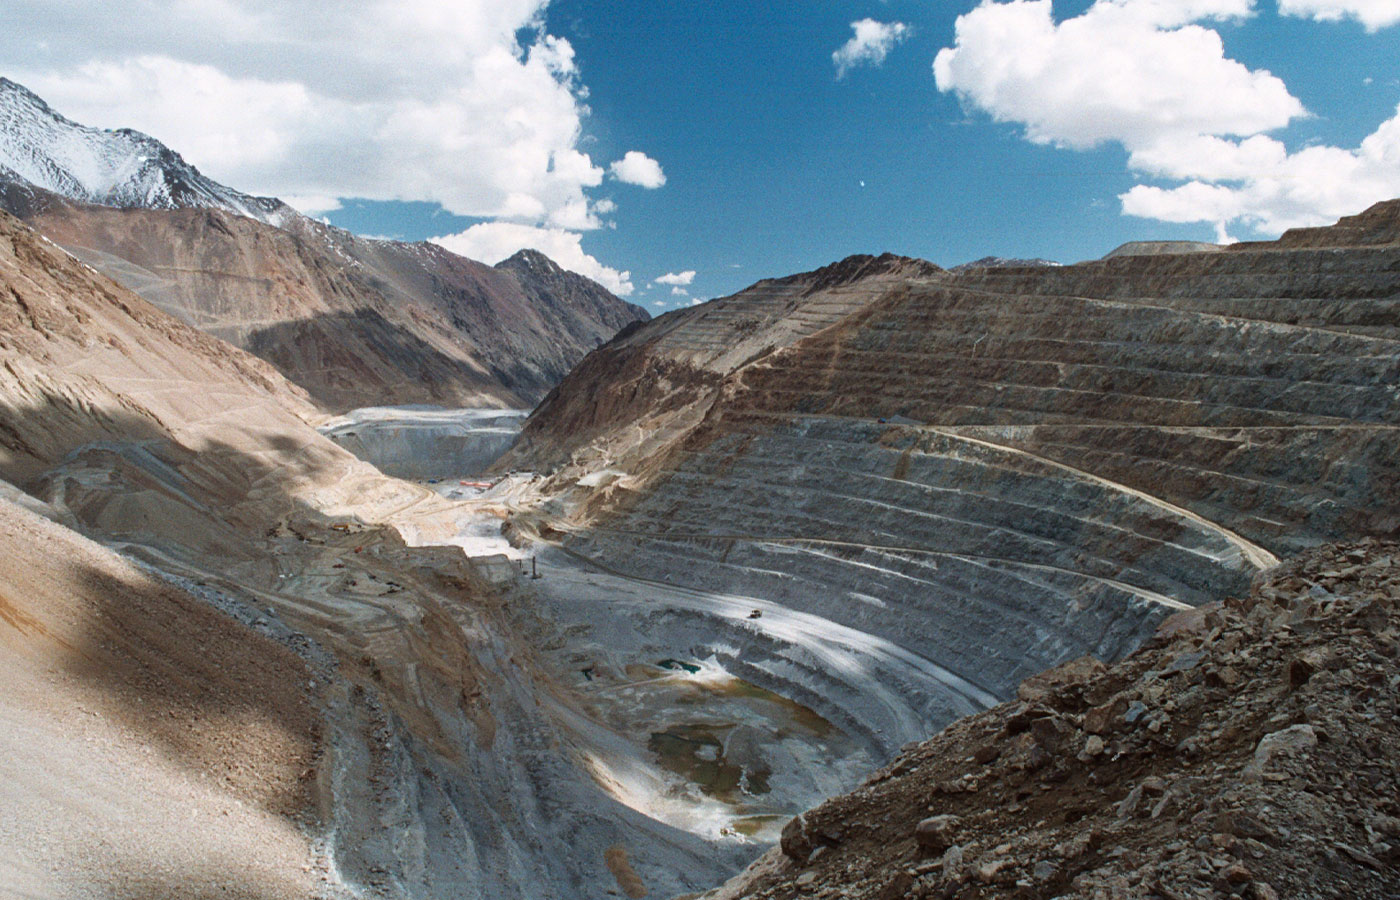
[1291, 740]
[937, 833]
[1102, 719]
[1079, 671]
[795, 840]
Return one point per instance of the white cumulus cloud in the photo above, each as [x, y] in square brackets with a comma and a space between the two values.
[637, 168]
[269, 99]
[471, 104]
[871, 42]
[1259, 182]
[1373, 14]
[1145, 74]
[1132, 71]
[677, 278]
[492, 242]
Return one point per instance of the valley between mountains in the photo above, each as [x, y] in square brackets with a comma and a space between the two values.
[1016, 580]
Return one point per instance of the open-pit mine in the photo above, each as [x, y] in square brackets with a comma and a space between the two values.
[738, 561]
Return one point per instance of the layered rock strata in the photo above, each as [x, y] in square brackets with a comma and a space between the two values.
[1003, 468]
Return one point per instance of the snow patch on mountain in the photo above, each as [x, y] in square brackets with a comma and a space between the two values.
[1002, 262]
[121, 168]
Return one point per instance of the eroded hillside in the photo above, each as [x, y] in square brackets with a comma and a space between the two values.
[355, 322]
[399, 743]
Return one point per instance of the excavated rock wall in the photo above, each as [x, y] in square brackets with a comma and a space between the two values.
[1003, 468]
[1279, 431]
[1247, 750]
[657, 379]
[986, 561]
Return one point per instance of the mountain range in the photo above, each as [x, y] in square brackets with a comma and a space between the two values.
[353, 321]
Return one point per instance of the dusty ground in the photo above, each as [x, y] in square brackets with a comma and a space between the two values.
[149, 746]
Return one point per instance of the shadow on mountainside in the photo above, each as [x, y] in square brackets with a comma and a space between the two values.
[233, 524]
[343, 360]
[207, 691]
[411, 712]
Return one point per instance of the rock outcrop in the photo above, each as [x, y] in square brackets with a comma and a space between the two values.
[1248, 749]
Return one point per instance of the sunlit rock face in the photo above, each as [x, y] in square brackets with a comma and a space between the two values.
[1005, 468]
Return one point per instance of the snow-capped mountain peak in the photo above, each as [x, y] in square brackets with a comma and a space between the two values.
[121, 168]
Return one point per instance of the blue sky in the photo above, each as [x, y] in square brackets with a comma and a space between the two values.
[1053, 132]
[765, 151]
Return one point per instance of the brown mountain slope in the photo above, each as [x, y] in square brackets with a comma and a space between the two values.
[355, 322]
[440, 771]
[661, 376]
[1002, 469]
[86, 360]
[150, 745]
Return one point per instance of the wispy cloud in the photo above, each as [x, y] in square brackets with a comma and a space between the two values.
[869, 45]
[1372, 14]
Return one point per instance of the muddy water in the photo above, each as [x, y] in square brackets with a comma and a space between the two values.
[425, 443]
[696, 752]
[718, 756]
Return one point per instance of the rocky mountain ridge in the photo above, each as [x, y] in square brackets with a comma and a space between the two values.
[355, 321]
[993, 262]
[126, 169]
